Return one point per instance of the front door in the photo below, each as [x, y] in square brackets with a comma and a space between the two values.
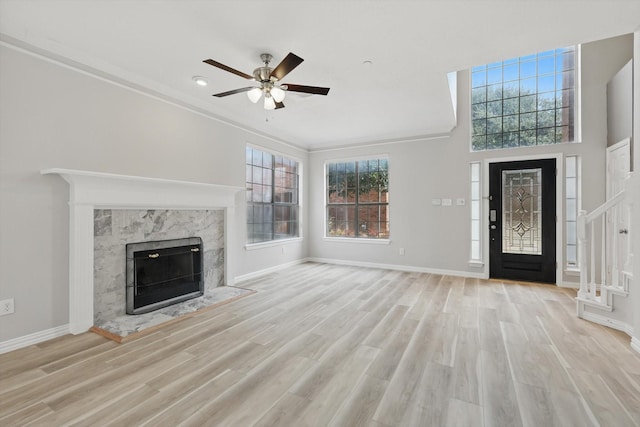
[522, 220]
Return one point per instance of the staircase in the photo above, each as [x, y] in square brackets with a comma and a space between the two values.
[606, 262]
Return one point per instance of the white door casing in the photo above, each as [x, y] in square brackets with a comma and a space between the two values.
[618, 240]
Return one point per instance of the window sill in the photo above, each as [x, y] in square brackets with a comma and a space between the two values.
[358, 240]
[271, 243]
[572, 271]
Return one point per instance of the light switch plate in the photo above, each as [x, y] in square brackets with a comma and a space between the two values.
[460, 202]
[446, 202]
[436, 202]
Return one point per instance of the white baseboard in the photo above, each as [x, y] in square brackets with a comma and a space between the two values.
[273, 269]
[611, 323]
[407, 268]
[635, 344]
[31, 339]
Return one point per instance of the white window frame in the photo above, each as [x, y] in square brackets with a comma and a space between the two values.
[572, 178]
[577, 110]
[475, 210]
[278, 242]
[358, 240]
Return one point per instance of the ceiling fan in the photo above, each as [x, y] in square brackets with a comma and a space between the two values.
[269, 80]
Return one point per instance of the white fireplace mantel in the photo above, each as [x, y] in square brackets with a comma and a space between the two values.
[91, 190]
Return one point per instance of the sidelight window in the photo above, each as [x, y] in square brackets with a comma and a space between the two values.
[572, 166]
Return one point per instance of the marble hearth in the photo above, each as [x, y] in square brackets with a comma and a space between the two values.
[142, 208]
[114, 228]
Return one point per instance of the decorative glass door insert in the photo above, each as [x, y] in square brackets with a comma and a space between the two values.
[521, 211]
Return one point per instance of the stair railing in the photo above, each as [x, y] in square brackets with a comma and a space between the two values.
[593, 230]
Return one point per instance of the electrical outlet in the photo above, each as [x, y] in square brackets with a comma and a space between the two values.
[401, 251]
[6, 306]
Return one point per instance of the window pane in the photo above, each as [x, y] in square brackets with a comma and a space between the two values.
[479, 94]
[479, 78]
[511, 123]
[571, 167]
[528, 103]
[494, 75]
[510, 72]
[475, 230]
[494, 141]
[546, 64]
[494, 92]
[494, 108]
[478, 143]
[475, 209]
[494, 125]
[571, 188]
[572, 255]
[475, 190]
[572, 232]
[511, 106]
[479, 111]
[527, 69]
[479, 127]
[511, 139]
[511, 89]
[475, 250]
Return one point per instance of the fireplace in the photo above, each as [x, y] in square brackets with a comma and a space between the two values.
[162, 273]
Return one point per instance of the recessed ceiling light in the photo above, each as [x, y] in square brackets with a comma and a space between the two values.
[200, 81]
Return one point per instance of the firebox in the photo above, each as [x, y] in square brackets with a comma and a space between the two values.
[162, 273]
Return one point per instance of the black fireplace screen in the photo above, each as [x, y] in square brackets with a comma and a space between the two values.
[163, 273]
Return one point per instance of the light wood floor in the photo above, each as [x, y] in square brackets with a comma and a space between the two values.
[342, 346]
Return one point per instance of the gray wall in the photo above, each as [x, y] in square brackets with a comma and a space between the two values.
[635, 221]
[52, 116]
[437, 237]
[620, 105]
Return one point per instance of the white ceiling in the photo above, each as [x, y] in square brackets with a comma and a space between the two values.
[158, 46]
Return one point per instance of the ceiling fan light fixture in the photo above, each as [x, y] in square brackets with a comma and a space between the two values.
[254, 94]
[278, 94]
[269, 103]
[200, 81]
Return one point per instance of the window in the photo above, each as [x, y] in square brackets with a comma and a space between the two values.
[272, 196]
[571, 211]
[474, 176]
[358, 199]
[524, 101]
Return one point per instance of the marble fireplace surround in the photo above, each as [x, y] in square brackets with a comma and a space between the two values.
[97, 190]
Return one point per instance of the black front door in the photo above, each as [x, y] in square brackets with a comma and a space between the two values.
[522, 220]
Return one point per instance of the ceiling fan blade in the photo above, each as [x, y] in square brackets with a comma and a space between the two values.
[315, 90]
[227, 68]
[290, 62]
[279, 105]
[233, 92]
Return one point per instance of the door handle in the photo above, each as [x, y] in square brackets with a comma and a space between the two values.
[623, 231]
[493, 226]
